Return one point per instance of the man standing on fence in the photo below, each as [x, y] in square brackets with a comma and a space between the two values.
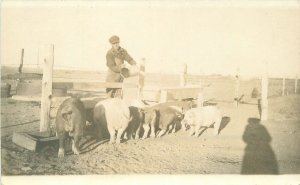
[115, 62]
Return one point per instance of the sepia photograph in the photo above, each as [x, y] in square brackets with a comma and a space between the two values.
[150, 92]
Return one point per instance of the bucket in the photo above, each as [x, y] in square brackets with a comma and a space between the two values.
[130, 71]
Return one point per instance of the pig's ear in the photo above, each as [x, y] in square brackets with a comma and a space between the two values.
[179, 115]
[67, 110]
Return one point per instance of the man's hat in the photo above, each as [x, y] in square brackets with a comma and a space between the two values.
[114, 39]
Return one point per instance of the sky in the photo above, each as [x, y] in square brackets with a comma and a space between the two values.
[209, 38]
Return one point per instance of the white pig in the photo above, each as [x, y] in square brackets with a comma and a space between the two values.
[202, 117]
[117, 116]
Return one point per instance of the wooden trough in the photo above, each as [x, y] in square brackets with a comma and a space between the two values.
[33, 141]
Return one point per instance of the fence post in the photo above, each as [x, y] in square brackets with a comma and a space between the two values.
[296, 85]
[142, 78]
[264, 98]
[22, 60]
[237, 86]
[163, 96]
[183, 76]
[200, 100]
[283, 86]
[48, 60]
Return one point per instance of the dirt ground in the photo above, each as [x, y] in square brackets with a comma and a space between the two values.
[244, 146]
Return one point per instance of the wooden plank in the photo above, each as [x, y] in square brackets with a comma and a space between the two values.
[180, 88]
[181, 93]
[75, 80]
[41, 137]
[130, 89]
[183, 104]
[33, 140]
[48, 59]
[172, 93]
[89, 83]
[27, 98]
[24, 141]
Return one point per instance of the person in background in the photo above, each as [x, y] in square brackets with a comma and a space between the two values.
[115, 58]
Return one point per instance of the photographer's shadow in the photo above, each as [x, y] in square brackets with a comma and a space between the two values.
[259, 158]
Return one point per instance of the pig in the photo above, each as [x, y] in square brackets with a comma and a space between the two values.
[202, 117]
[136, 123]
[112, 115]
[134, 128]
[70, 121]
[162, 118]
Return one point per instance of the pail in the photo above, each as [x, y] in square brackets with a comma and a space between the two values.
[130, 71]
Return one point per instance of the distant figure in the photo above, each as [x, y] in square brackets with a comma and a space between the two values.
[115, 62]
[259, 157]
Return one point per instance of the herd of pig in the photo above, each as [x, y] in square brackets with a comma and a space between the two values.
[114, 118]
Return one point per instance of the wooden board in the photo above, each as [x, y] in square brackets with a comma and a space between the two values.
[24, 141]
[33, 141]
[130, 89]
[89, 83]
[26, 98]
[179, 93]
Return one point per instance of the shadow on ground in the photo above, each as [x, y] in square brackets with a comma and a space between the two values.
[224, 123]
[259, 158]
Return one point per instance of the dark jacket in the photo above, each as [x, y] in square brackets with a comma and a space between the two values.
[114, 61]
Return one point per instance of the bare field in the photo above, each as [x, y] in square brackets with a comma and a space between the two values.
[244, 146]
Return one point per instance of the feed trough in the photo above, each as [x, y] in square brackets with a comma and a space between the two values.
[34, 141]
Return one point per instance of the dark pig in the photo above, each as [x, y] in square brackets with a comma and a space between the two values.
[161, 120]
[134, 126]
[70, 121]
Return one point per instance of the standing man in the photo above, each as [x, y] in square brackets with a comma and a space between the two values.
[115, 62]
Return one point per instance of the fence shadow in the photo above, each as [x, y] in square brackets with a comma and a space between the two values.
[259, 158]
[224, 123]
[91, 144]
